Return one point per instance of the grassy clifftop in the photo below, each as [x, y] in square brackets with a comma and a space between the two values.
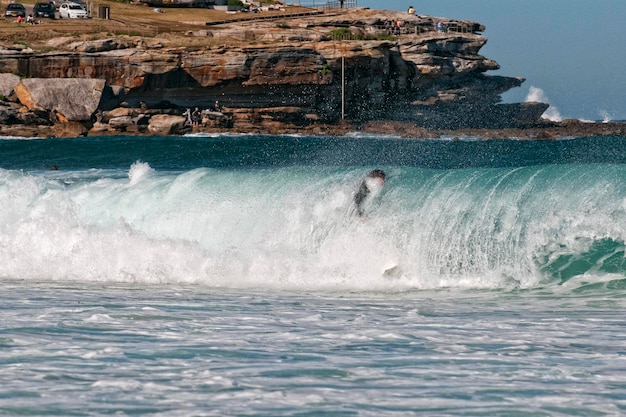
[125, 19]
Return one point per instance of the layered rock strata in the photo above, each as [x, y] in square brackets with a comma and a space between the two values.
[303, 72]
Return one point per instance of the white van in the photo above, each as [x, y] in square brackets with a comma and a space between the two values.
[72, 11]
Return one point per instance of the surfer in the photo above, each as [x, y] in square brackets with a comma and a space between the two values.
[372, 182]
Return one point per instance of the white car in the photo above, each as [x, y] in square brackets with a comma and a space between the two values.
[72, 11]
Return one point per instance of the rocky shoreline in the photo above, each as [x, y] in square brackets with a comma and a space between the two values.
[547, 131]
[299, 75]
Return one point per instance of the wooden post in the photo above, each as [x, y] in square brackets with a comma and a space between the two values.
[343, 86]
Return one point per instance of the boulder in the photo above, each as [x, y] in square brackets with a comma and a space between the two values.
[99, 127]
[99, 45]
[121, 122]
[165, 124]
[117, 112]
[8, 83]
[76, 99]
[141, 120]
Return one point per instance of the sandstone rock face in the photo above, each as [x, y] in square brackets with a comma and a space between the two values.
[291, 66]
[299, 75]
[100, 45]
[7, 115]
[16, 114]
[8, 83]
[213, 69]
[74, 99]
[440, 54]
[69, 129]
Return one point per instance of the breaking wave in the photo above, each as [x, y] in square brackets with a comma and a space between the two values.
[290, 227]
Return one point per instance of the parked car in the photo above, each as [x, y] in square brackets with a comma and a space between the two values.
[44, 10]
[72, 11]
[15, 10]
[57, 3]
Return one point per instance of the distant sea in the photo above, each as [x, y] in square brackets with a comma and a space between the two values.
[228, 275]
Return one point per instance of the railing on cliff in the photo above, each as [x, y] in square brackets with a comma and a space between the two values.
[263, 16]
[327, 4]
[389, 29]
[425, 27]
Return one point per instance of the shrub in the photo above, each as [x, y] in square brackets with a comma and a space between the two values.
[346, 34]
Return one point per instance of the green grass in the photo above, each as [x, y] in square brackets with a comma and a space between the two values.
[347, 34]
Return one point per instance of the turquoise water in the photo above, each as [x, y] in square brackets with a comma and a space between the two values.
[227, 275]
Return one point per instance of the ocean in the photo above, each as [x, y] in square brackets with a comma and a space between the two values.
[228, 275]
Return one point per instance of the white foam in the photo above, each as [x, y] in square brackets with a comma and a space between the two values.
[537, 95]
[138, 171]
[21, 137]
[606, 116]
[123, 384]
[288, 229]
[363, 135]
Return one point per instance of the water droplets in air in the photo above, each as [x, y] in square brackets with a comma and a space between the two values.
[537, 95]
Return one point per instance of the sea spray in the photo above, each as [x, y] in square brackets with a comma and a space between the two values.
[290, 228]
[606, 116]
[538, 95]
[138, 171]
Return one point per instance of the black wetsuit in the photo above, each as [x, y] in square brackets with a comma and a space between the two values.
[360, 197]
[364, 189]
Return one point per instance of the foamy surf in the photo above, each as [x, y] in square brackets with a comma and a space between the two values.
[225, 276]
[291, 228]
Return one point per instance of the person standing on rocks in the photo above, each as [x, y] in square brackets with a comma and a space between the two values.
[195, 117]
[187, 114]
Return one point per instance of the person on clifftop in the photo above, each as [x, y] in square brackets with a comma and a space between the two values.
[411, 10]
[396, 27]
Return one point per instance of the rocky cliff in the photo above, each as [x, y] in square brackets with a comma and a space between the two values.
[267, 74]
